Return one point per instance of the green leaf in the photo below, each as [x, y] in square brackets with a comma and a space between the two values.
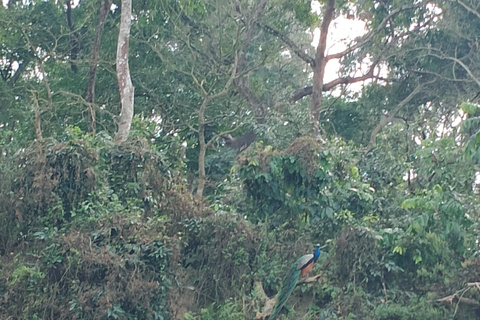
[399, 249]
[354, 171]
[409, 203]
[469, 108]
[437, 189]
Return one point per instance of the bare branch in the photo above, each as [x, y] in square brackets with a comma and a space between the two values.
[451, 299]
[298, 51]
[299, 94]
[387, 119]
[467, 7]
[315, 278]
[348, 80]
[366, 38]
[460, 62]
[233, 75]
[307, 91]
[440, 76]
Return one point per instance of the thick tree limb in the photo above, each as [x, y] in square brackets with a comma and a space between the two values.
[454, 298]
[74, 43]
[319, 67]
[299, 94]
[37, 119]
[292, 45]
[123, 73]
[457, 298]
[269, 303]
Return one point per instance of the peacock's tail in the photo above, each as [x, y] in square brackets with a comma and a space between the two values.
[287, 288]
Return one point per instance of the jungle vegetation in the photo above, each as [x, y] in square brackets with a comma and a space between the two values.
[171, 159]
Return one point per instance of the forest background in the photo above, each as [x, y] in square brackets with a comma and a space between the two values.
[171, 159]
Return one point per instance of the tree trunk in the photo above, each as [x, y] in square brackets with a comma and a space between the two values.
[202, 176]
[74, 43]
[319, 68]
[37, 121]
[123, 74]
[90, 95]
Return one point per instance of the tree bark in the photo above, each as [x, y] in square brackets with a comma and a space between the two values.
[74, 43]
[123, 74]
[319, 68]
[202, 176]
[299, 94]
[90, 95]
[37, 119]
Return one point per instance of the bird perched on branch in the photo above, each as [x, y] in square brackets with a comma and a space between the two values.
[301, 267]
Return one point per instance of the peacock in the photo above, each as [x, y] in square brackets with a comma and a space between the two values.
[301, 267]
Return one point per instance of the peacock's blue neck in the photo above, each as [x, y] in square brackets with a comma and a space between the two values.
[316, 254]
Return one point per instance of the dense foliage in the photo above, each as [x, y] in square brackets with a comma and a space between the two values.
[221, 184]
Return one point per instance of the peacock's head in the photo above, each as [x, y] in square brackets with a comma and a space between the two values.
[316, 254]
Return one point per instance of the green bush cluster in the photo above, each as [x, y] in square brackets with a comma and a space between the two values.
[133, 243]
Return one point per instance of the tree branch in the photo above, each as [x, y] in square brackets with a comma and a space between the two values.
[366, 38]
[459, 61]
[90, 95]
[74, 43]
[387, 119]
[319, 68]
[467, 7]
[241, 83]
[270, 302]
[123, 74]
[299, 94]
[298, 51]
[202, 177]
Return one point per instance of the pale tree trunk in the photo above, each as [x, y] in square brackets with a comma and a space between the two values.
[90, 95]
[123, 74]
[319, 68]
